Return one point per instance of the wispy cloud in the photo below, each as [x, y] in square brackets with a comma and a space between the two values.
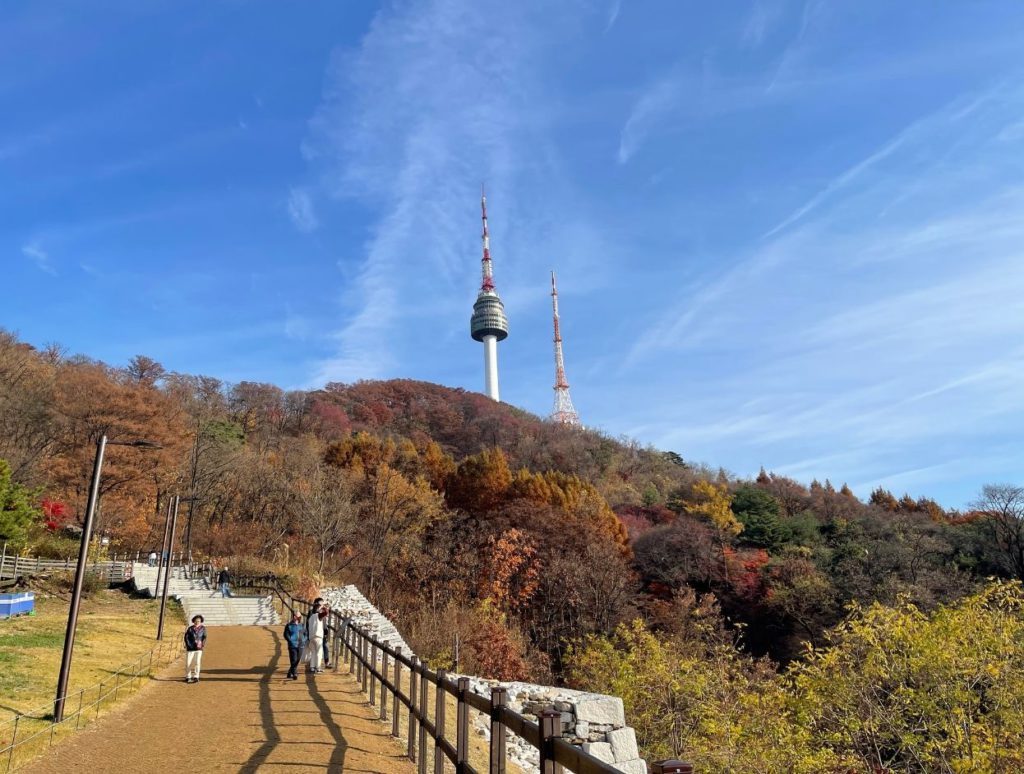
[955, 111]
[614, 9]
[883, 328]
[411, 124]
[656, 102]
[39, 256]
[300, 210]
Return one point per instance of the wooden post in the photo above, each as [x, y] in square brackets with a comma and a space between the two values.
[373, 666]
[359, 657]
[671, 767]
[395, 706]
[383, 684]
[462, 728]
[350, 650]
[423, 716]
[439, 702]
[366, 663]
[550, 720]
[3, 560]
[499, 696]
[412, 710]
[14, 738]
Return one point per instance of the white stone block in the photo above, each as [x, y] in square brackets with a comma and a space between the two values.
[582, 729]
[600, 750]
[635, 766]
[601, 709]
[623, 742]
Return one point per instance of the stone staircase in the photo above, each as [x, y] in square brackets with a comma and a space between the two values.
[197, 598]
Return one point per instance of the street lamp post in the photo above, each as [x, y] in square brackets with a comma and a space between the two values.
[80, 568]
[167, 572]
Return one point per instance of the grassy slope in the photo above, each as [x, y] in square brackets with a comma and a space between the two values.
[113, 630]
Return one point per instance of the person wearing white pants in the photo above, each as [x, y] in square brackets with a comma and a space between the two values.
[195, 641]
[315, 630]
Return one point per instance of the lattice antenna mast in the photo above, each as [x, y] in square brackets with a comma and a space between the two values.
[564, 412]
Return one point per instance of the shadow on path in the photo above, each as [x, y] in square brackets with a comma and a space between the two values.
[337, 761]
[270, 732]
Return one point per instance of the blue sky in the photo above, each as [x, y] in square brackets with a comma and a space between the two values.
[787, 234]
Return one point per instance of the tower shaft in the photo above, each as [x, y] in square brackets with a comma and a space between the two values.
[564, 412]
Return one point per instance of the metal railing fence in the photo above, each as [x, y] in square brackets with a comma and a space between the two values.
[379, 669]
[28, 733]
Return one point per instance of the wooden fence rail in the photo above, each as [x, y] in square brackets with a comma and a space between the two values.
[379, 669]
[17, 566]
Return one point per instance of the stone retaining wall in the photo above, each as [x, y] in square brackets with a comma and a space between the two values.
[594, 721]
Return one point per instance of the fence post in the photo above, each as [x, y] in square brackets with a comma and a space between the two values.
[336, 640]
[364, 664]
[549, 727]
[3, 560]
[81, 700]
[373, 666]
[383, 679]
[350, 648]
[412, 710]
[395, 707]
[439, 695]
[117, 683]
[499, 696]
[14, 738]
[423, 718]
[462, 728]
[671, 767]
[99, 698]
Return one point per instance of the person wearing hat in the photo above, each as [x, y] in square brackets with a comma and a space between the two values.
[195, 641]
[295, 636]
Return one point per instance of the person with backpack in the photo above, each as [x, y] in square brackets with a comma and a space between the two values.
[195, 641]
[295, 635]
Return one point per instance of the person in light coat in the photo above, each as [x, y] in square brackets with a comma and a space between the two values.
[315, 630]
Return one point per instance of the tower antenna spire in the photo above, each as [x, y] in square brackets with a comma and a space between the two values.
[488, 324]
[564, 412]
[487, 285]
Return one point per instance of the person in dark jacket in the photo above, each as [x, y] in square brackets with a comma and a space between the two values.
[295, 636]
[224, 579]
[325, 613]
[195, 641]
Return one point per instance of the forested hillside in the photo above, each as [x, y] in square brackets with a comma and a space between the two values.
[515, 547]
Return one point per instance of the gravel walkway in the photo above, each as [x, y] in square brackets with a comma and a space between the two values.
[242, 716]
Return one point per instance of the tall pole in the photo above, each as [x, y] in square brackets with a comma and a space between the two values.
[167, 575]
[164, 551]
[76, 593]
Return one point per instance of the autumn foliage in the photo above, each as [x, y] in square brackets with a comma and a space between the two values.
[732, 615]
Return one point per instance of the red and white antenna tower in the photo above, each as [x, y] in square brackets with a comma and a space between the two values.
[564, 412]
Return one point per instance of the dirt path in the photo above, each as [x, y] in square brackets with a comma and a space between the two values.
[242, 716]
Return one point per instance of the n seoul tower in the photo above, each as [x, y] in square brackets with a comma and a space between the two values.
[489, 323]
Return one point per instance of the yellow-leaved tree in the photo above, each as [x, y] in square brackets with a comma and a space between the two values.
[713, 502]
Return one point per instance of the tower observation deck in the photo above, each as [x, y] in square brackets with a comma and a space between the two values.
[488, 324]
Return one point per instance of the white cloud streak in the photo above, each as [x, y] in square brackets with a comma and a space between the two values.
[301, 211]
[39, 257]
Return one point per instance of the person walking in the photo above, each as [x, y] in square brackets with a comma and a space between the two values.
[325, 613]
[315, 631]
[152, 558]
[224, 581]
[295, 635]
[195, 641]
